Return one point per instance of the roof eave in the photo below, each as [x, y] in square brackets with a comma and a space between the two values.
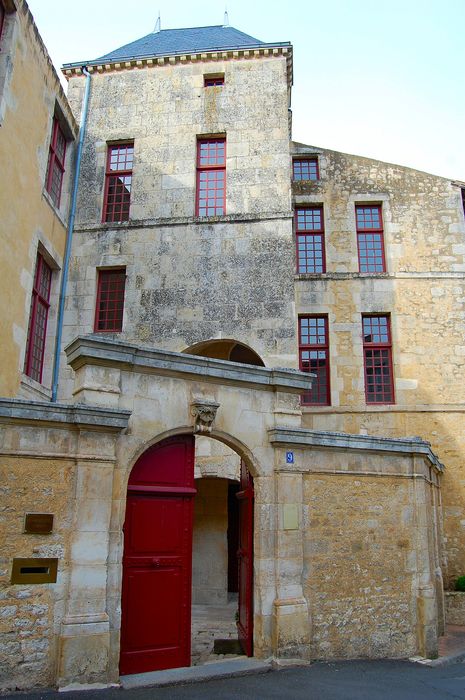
[102, 66]
[144, 57]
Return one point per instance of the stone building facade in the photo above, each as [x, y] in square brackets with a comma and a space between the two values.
[265, 336]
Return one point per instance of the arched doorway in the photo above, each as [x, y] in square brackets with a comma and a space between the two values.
[157, 559]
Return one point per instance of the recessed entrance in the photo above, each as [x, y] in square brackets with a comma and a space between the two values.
[159, 537]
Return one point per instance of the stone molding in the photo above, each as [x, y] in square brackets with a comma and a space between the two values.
[188, 221]
[90, 350]
[224, 54]
[12, 410]
[346, 441]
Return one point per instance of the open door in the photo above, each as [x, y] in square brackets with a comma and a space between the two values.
[245, 561]
[157, 561]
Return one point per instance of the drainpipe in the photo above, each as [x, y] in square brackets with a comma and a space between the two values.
[69, 238]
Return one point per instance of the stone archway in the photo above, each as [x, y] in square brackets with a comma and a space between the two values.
[157, 559]
[226, 349]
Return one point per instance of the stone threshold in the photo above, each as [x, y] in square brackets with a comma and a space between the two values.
[194, 674]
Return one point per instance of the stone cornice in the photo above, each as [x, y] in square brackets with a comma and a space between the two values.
[186, 221]
[90, 417]
[136, 62]
[346, 441]
[91, 350]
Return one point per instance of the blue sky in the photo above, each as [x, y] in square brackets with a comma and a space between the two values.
[380, 79]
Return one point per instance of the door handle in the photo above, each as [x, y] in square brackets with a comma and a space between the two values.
[156, 562]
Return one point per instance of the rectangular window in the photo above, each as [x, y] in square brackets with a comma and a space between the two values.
[118, 180]
[211, 177]
[370, 238]
[305, 169]
[377, 354]
[56, 163]
[2, 17]
[314, 358]
[310, 240]
[213, 80]
[110, 301]
[38, 315]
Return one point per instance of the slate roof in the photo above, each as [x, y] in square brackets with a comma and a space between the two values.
[174, 41]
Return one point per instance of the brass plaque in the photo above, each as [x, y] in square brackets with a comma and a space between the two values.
[34, 570]
[38, 523]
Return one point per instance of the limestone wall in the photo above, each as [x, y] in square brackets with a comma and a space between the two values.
[423, 290]
[30, 92]
[360, 561]
[30, 615]
[210, 545]
[164, 109]
[190, 279]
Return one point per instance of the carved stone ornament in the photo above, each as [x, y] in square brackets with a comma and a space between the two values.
[204, 413]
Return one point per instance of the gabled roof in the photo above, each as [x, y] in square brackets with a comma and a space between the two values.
[173, 41]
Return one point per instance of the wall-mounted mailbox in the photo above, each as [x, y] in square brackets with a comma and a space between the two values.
[38, 523]
[34, 570]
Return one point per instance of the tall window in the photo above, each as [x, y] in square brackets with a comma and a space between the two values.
[2, 17]
[118, 180]
[314, 358]
[110, 301]
[310, 239]
[211, 177]
[37, 330]
[305, 169]
[56, 163]
[377, 353]
[370, 238]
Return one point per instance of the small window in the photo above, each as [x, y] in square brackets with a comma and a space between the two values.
[310, 242]
[38, 316]
[463, 199]
[110, 301]
[370, 238]
[377, 355]
[314, 358]
[211, 177]
[56, 163]
[213, 80]
[118, 182]
[305, 169]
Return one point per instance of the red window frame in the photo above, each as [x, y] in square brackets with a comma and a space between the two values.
[56, 163]
[377, 359]
[109, 304]
[2, 18]
[370, 238]
[310, 240]
[118, 182]
[210, 197]
[38, 317]
[305, 169]
[213, 80]
[314, 358]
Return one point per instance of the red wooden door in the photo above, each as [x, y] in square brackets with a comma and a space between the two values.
[245, 562]
[157, 560]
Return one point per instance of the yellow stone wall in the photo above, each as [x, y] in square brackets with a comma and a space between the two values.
[359, 542]
[31, 614]
[423, 290]
[29, 93]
